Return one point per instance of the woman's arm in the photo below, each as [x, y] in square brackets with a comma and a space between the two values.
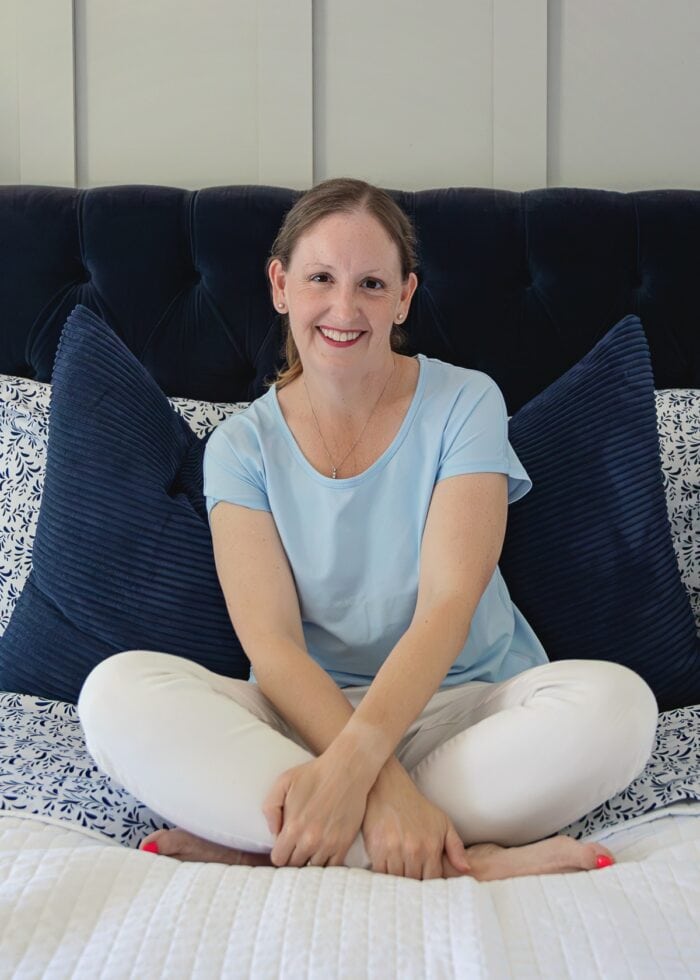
[314, 810]
[317, 809]
[461, 545]
[263, 605]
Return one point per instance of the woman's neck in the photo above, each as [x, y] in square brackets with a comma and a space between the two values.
[344, 396]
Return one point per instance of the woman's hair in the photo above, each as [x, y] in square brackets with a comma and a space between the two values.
[340, 195]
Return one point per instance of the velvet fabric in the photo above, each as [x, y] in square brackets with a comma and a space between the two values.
[588, 556]
[520, 286]
[122, 556]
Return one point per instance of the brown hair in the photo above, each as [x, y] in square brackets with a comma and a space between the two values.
[340, 194]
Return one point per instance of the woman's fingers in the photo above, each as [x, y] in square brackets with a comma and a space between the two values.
[432, 869]
[395, 865]
[281, 852]
[418, 867]
[317, 812]
[413, 864]
[454, 848]
[273, 806]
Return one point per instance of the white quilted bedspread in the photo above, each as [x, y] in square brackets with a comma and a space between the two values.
[73, 905]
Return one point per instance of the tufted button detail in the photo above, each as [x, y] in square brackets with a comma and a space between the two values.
[196, 277]
[86, 275]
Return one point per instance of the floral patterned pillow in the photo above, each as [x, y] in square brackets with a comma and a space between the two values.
[24, 422]
[24, 427]
[678, 421]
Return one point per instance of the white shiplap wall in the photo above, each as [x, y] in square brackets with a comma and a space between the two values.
[37, 126]
[624, 93]
[502, 93]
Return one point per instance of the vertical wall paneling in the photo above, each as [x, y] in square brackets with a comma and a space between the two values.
[285, 92]
[624, 94]
[45, 92]
[9, 120]
[402, 91]
[519, 94]
[167, 92]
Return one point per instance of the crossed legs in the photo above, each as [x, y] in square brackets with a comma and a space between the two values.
[509, 763]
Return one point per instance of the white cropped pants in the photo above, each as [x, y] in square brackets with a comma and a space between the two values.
[510, 763]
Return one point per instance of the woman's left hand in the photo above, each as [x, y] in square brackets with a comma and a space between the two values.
[407, 835]
[316, 811]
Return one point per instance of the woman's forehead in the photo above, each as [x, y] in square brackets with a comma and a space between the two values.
[341, 238]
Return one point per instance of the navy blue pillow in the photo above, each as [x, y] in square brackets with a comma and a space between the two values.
[588, 556]
[123, 557]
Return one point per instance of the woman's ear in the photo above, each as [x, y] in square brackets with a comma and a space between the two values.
[407, 291]
[277, 275]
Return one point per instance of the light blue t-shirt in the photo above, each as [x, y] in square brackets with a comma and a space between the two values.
[354, 544]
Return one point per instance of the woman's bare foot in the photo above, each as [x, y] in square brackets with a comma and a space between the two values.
[555, 855]
[184, 846]
[488, 862]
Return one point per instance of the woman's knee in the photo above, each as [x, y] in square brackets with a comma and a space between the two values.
[112, 676]
[614, 687]
[621, 709]
[117, 685]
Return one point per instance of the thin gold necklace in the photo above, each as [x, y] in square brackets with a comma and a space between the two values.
[335, 467]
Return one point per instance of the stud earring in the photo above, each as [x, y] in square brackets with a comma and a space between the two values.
[399, 316]
[280, 306]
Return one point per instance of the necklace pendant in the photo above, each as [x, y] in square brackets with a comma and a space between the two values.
[333, 473]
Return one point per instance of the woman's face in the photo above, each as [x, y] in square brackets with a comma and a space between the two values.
[343, 291]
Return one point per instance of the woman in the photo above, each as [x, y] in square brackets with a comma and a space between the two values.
[400, 707]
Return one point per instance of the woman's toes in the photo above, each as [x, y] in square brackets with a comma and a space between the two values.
[154, 842]
[180, 844]
[176, 843]
[601, 857]
[567, 854]
[554, 855]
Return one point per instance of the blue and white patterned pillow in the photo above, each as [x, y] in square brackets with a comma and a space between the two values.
[24, 429]
[24, 420]
[678, 422]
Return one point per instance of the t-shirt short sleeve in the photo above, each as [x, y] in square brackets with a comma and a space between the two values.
[233, 469]
[475, 437]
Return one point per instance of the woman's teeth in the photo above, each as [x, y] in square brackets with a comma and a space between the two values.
[339, 336]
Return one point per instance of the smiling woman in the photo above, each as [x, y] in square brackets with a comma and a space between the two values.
[344, 197]
[400, 705]
[346, 285]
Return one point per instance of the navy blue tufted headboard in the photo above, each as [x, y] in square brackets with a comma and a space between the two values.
[517, 285]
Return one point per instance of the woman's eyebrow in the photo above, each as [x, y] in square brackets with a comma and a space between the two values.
[322, 265]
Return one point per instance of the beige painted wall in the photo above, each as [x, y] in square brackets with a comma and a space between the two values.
[502, 93]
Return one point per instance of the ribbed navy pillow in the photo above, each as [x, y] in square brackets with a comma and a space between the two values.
[123, 557]
[588, 556]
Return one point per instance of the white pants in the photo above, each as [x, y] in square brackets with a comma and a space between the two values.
[509, 763]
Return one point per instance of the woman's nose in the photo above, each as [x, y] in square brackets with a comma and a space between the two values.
[345, 303]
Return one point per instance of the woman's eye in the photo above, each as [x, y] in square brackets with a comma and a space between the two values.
[374, 283]
[320, 277]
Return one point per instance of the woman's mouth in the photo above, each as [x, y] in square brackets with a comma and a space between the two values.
[340, 338]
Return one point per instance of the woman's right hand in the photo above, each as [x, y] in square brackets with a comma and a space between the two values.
[407, 835]
[315, 812]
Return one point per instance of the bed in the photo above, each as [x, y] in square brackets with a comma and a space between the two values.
[136, 319]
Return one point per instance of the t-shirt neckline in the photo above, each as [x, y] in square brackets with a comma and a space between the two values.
[340, 482]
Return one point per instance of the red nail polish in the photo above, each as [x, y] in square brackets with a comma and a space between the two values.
[604, 861]
[152, 846]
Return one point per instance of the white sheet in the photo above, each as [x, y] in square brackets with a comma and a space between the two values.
[74, 906]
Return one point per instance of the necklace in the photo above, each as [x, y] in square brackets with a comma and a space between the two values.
[335, 467]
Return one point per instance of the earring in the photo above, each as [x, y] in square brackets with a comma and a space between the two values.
[280, 306]
[399, 316]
